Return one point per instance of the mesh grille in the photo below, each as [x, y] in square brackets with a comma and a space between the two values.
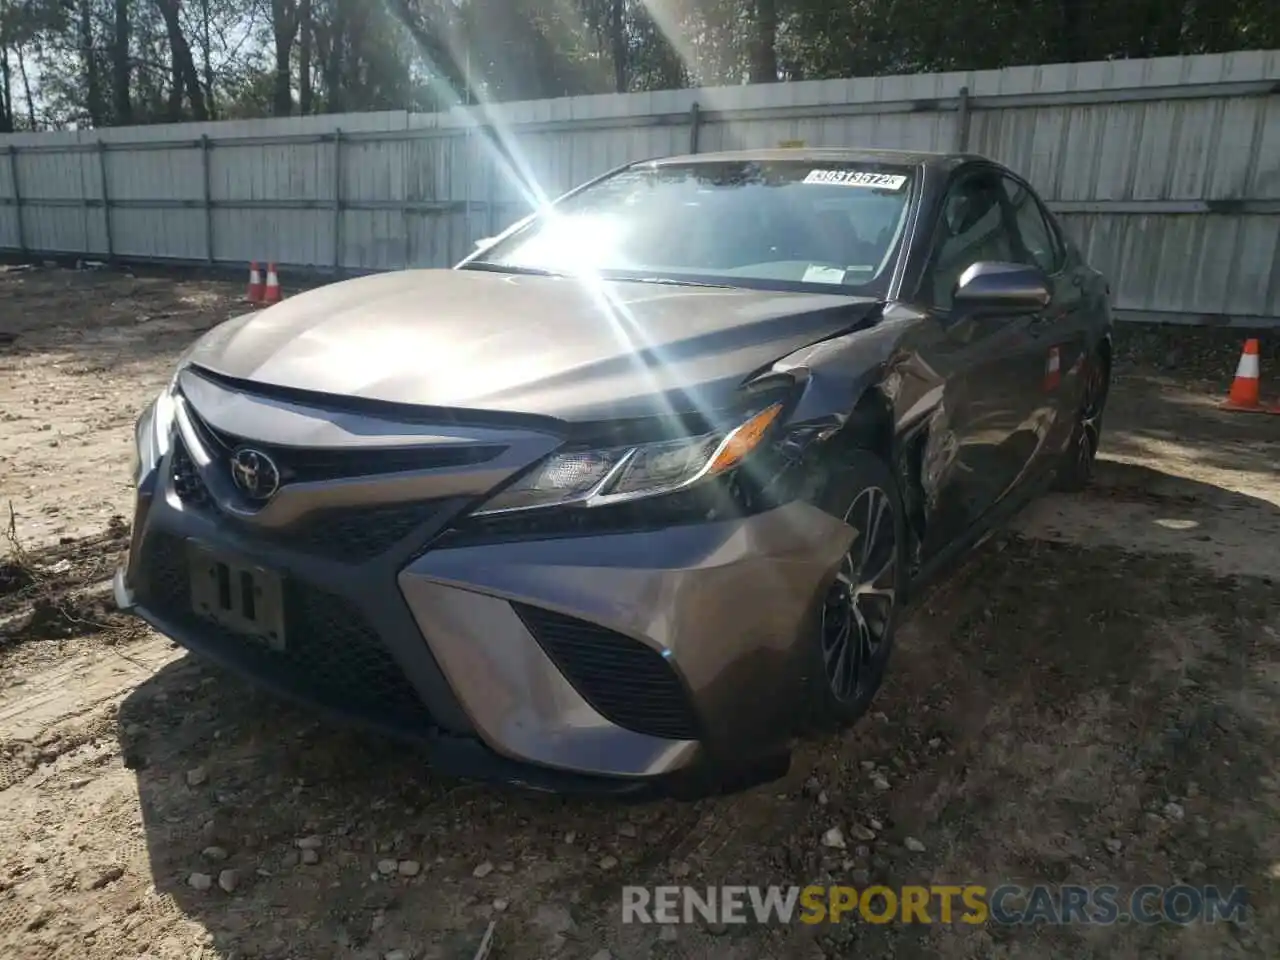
[332, 656]
[360, 533]
[630, 684]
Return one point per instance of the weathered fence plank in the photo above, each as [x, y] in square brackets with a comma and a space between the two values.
[1167, 171]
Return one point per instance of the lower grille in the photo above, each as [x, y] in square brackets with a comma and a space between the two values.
[628, 683]
[332, 658]
[358, 534]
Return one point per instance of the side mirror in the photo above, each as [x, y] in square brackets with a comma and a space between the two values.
[997, 287]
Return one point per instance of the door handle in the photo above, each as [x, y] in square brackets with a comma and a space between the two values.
[1039, 324]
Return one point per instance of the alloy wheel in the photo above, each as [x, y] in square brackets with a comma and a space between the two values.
[1089, 430]
[859, 606]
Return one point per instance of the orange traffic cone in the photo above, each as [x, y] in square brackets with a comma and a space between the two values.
[272, 293]
[1245, 395]
[254, 293]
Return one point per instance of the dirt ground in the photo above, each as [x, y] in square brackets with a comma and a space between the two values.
[1093, 697]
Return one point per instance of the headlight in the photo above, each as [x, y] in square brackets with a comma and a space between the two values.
[152, 433]
[591, 478]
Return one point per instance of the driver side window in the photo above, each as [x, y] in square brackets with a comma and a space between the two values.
[972, 227]
[1039, 241]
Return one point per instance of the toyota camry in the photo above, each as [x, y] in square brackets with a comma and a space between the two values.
[638, 492]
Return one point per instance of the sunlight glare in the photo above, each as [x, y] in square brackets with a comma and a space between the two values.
[583, 243]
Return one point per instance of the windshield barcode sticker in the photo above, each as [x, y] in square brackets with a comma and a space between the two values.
[857, 178]
[816, 273]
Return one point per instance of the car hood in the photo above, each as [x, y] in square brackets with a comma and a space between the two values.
[548, 346]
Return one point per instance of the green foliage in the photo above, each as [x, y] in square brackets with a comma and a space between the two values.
[103, 62]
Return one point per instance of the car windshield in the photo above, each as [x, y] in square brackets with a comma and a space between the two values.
[784, 225]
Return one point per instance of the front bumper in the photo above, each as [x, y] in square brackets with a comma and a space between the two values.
[726, 608]
[604, 663]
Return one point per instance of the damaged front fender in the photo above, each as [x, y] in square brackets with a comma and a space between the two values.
[873, 389]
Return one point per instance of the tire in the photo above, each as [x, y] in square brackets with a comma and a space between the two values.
[863, 602]
[1075, 469]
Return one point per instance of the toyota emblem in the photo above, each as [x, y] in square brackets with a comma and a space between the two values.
[255, 474]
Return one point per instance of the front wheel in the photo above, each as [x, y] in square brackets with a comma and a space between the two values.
[1076, 469]
[860, 608]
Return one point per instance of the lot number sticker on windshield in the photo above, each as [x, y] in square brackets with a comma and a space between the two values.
[857, 178]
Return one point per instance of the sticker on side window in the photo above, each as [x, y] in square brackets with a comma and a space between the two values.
[858, 178]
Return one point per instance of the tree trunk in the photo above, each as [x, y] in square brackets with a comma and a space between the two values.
[6, 93]
[26, 89]
[304, 57]
[1213, 30]
[120, 72]
[1166, 18]
[331, 61]
[333, 78]
[284, 23]
[764, 46]
[618, 44]
[184, 64]
[1154, 28]
[282, 98]
[206, 53]
[1071, 44]
[89, 61]
[175, 94]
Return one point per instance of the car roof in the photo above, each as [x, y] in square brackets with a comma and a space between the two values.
[941, 162]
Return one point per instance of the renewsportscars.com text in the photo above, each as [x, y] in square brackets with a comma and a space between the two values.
[960, 903]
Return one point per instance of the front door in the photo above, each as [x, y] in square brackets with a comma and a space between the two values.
[1059, 333]
[979, 445]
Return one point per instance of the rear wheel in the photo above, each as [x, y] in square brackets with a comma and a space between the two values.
[860, 609]
[1076, 469]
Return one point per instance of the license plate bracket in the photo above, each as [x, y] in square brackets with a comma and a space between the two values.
[242, 597]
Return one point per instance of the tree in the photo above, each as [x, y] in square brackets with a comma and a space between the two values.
[121, 71]
[304, 58]
[764, 45]
[6, 93]
[89, 64]
[22, 23]
[102, 62]
[185, 77]
[284, 23]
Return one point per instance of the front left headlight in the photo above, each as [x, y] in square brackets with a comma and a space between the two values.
[593, 478]
[152, 433]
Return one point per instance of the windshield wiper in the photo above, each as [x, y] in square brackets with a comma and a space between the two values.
[510, 268]
[543, 272]
[672, 282]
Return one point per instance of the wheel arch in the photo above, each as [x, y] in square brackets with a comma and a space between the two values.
[871, 426]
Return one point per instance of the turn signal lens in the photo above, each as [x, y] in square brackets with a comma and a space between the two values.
[743, 440]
